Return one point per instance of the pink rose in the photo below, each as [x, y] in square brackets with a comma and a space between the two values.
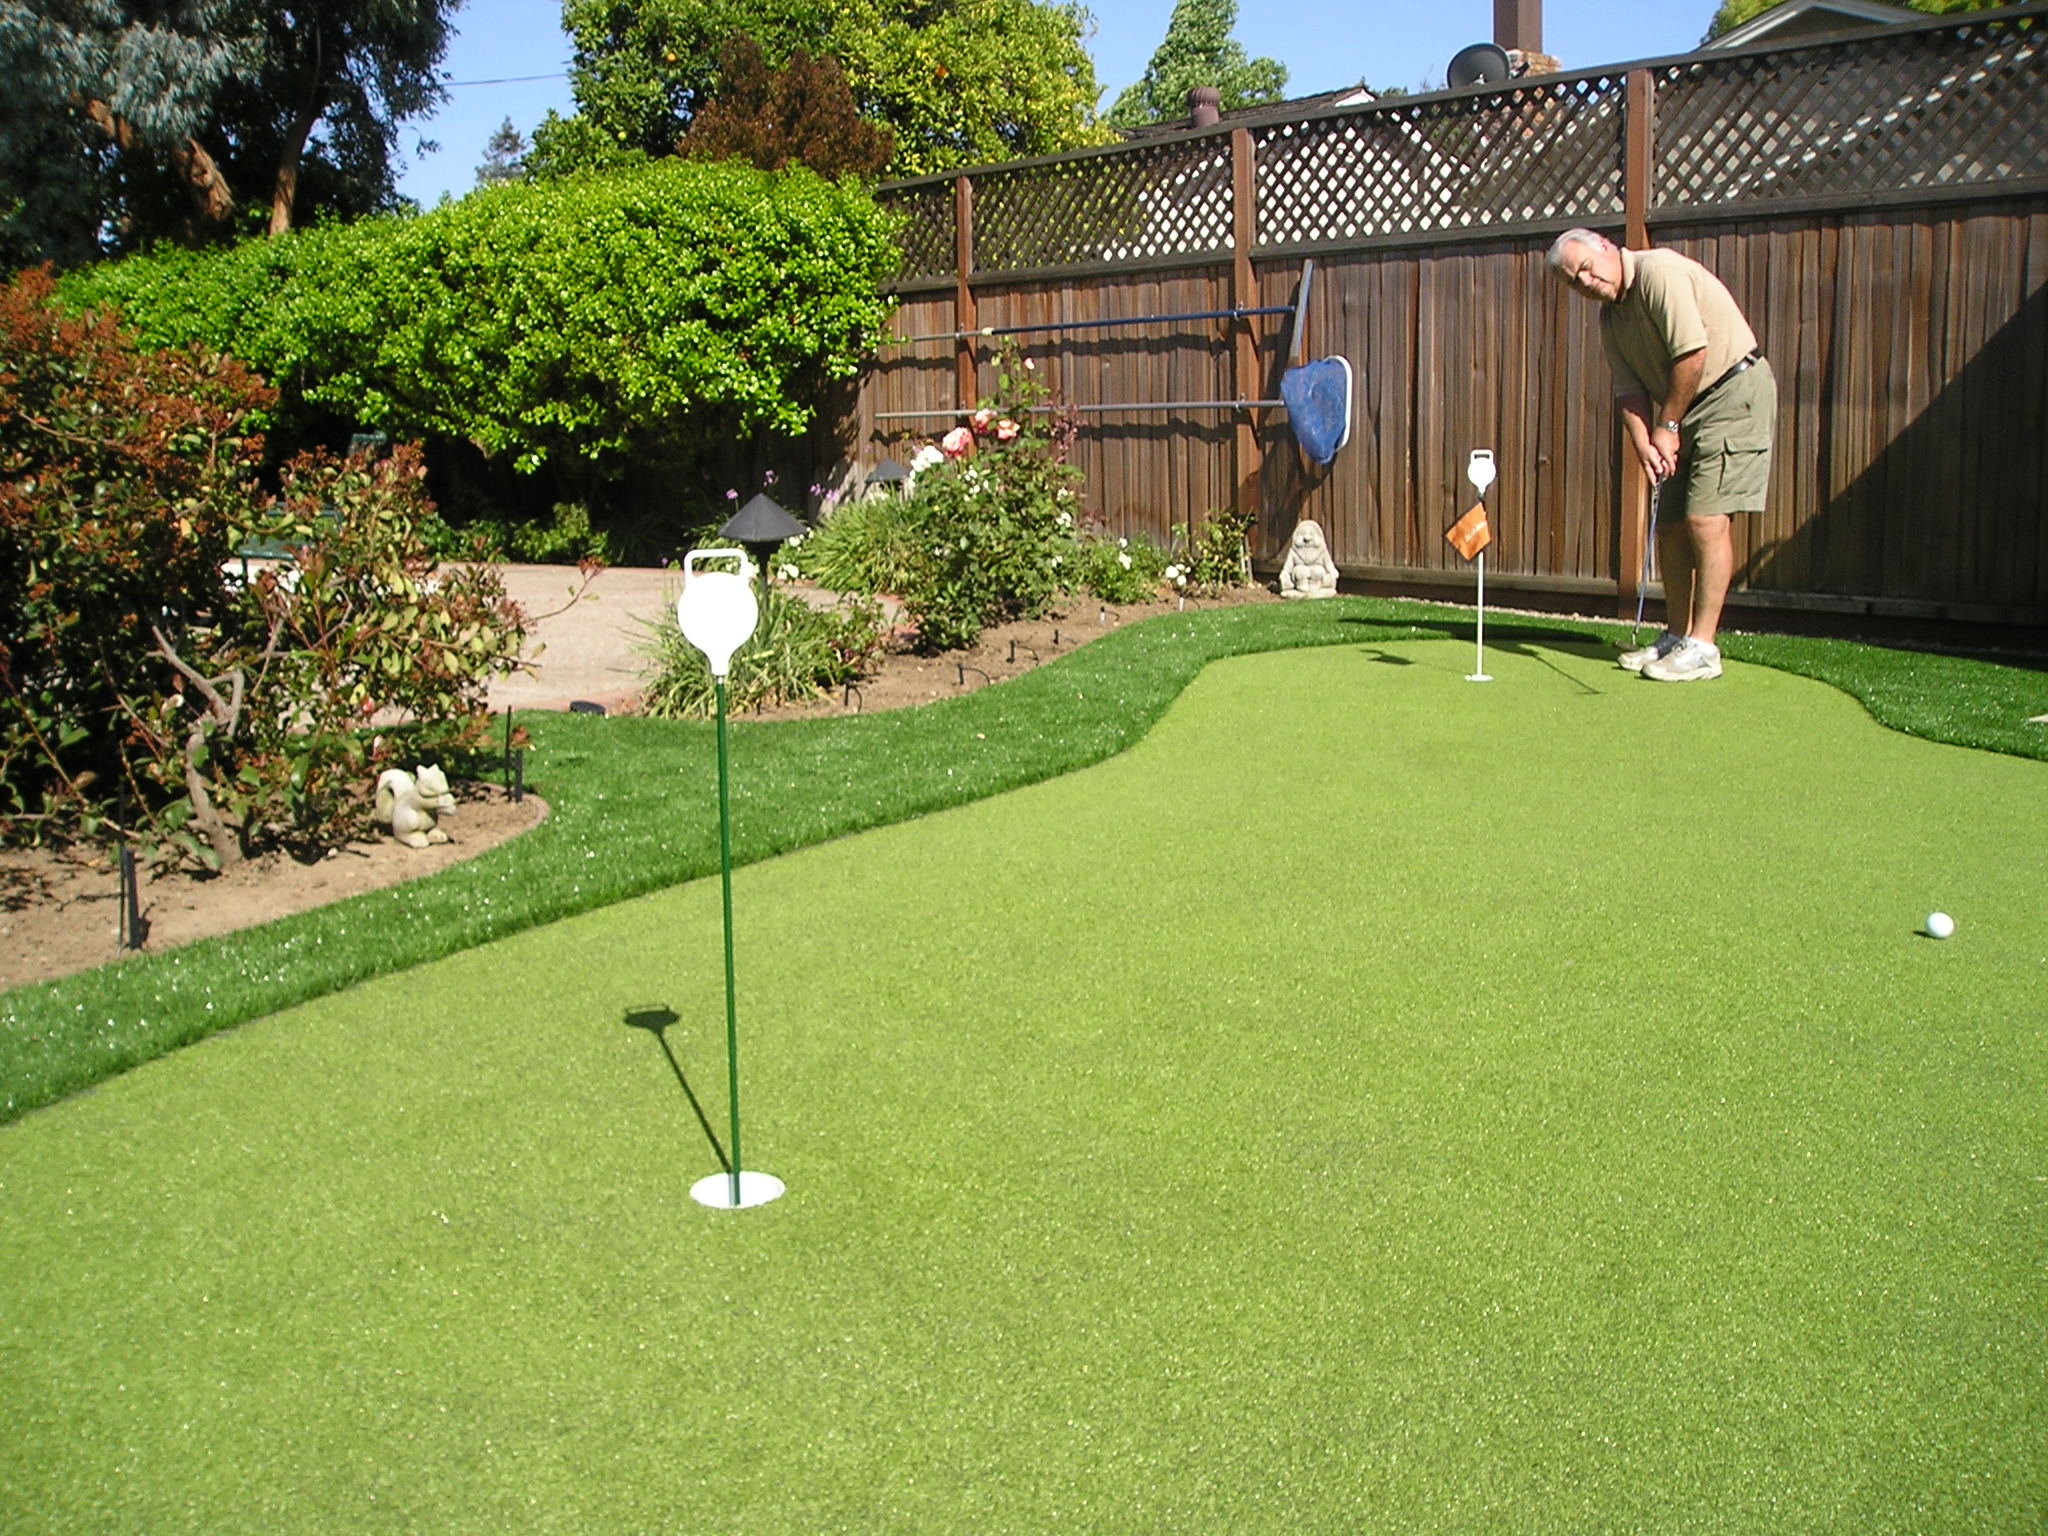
[957, 444]
[981, 419]
[1006, 430]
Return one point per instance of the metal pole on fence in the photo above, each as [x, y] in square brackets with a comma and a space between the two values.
[1236, 313]
[1091, 410]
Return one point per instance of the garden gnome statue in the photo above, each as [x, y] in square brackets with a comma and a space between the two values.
[1309, 571]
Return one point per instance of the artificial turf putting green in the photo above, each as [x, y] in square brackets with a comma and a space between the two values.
[1313, 1119]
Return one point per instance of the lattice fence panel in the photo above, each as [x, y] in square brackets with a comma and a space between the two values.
[927, 238]
[1545, 150]
[1919, 111]
[1148, 203]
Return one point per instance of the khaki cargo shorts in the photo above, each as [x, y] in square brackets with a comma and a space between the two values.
[1724, 449]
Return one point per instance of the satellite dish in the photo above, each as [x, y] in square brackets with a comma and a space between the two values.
[1480, 64]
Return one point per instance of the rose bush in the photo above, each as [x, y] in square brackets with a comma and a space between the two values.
[992, 523]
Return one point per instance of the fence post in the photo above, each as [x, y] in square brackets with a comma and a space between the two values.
[964, 321]
[1639, 115]
[1244, 371]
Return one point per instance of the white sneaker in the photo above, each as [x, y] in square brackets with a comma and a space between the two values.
[1656, 650]
[1690, 661]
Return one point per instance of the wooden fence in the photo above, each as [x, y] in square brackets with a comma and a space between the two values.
[1878, 205]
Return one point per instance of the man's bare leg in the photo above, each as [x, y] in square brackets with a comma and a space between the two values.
[1713, 563]
[1675, 565]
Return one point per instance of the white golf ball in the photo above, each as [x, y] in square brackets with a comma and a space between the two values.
[1940, 925]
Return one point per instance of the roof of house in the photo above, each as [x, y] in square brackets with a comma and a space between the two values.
[1797, 19]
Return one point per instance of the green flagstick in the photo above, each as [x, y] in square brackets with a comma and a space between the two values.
[717, 611]
[732, 1019]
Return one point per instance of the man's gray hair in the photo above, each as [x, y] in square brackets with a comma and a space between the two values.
[1571, 237]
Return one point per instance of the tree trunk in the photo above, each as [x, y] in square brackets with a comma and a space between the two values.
[223, 839]
[212, 202]
[119, 131]
[285, 191]
[224, 714]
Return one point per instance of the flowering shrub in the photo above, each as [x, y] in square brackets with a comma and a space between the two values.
[1215, 557]
[992, 519]
[1123, 570]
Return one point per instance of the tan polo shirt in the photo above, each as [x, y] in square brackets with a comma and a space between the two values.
[1670, 305]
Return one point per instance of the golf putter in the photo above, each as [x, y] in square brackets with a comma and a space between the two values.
[1635, 636]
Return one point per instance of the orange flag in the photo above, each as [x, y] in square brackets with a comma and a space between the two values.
[1469, 534]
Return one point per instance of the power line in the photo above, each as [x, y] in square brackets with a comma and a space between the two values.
[508, 80]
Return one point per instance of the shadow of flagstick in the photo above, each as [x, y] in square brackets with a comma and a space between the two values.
[656, 1021]
[1511, 640]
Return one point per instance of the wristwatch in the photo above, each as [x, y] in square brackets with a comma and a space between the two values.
[1668, 426]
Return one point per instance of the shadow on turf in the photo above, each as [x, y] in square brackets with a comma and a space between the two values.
[1511, 639]
[656, 1021]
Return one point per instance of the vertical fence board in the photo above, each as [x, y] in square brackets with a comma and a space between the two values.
[2030, 497]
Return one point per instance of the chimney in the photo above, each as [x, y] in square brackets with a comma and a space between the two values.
[1518, 25]
[1205, 107]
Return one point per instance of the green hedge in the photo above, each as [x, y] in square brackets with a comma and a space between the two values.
[675, 302]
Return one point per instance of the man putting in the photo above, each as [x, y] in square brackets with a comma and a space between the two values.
[1698, 402]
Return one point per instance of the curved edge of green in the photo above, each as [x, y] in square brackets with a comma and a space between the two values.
[623, 821]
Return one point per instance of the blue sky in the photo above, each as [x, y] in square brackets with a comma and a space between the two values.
[1325, 44]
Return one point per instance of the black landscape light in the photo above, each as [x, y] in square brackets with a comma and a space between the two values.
[888, 472]
[761, 525]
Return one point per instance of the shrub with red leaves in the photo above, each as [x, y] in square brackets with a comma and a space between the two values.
[125, 483]
[142, 680]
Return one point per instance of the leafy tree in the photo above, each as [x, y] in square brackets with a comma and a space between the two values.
[1733, 13]
[129, 121]
[504, 156]
[104, 112]
[1198, 51]
[955, 81]
[353, 69]
[802, 112]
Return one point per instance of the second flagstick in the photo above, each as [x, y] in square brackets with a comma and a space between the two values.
[1469, 536]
